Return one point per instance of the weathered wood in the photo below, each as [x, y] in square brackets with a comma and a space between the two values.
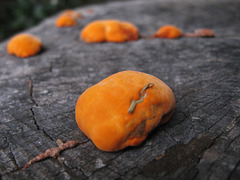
[201, 141]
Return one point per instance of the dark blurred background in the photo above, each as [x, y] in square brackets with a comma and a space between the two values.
[17, 15]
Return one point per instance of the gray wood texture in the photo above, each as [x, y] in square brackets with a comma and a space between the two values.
[202, 139]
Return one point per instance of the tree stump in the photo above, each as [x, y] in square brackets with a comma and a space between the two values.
[201, 140]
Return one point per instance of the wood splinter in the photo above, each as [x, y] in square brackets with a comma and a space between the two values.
[53, 152]
[201, 33]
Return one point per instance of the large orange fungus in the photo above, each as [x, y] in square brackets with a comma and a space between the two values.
[24, 45]
[122, 109]
[110, 31]
[168, 31]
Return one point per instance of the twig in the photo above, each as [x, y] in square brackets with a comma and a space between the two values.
[30, 87]
[142, 96]
[53, 152]
[200, 33]
[160, 157]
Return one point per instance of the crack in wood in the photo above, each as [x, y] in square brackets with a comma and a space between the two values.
[234, 169]
[114, 170]
[32, 111]
[230, 126]
[176, 157]
[219, 119]
[213, 101]
[211, 145]
[38, 127]
[232, 140]
[75, 168]
[211, 166]
[13, 158]
[172, 137]
[217, 81]
[191, 117]
[178, 122]
[208, 103]
[188, 172]
[70, 168]
[34, 119]
[131, 169]
[46, 134]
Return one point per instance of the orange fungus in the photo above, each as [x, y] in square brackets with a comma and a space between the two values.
[68, 18]
[122, 109]
[110, 31]
[66, 21]
[168, 31]
[24, 45]
[72, 13]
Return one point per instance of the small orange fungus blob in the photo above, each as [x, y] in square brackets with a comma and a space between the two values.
[110, 31]
[68, 18]
[72, 13]
[24, 45]
[168, 31]
[66, 21]
[121, 110]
